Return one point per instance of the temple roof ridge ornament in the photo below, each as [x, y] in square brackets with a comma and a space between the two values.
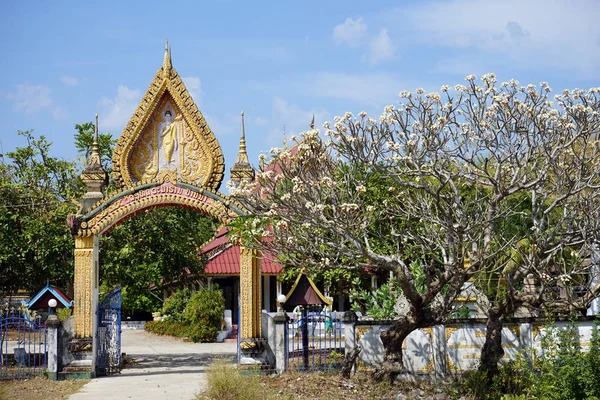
[167, 64]
[242, 171]
[167, 138]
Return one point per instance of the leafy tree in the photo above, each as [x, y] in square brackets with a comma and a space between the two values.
[455, 164]
[154, 247]
[84, 139]
[35, 242]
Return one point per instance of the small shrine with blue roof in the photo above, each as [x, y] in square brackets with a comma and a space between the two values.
[40, 300]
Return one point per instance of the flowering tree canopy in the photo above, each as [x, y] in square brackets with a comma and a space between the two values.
[441, 188]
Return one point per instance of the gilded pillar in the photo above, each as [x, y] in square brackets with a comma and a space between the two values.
[250, 276]
[86, 286]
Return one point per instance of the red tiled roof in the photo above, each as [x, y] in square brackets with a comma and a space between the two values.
[227, 262]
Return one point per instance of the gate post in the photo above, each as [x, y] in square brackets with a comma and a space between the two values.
[281, 338]
[52, 346]
[86, 286]
[250, 275]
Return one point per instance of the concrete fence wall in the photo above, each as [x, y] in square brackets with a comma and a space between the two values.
[456, 347]
[438, 350]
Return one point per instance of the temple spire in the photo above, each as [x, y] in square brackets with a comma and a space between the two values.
[95, 156]
[242, 156]
[167, 60]
[242, 171]
[93, 176]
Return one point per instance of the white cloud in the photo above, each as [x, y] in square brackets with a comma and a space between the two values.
[350, 32]
[377, 89]
[293, 119]
[31, 98]
[381, 47]
[535, 33]
[261, 121]
[116, 112]
[69, 81]
[59, 113]
[192, 83]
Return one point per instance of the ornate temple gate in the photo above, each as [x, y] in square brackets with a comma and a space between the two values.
[167, 155]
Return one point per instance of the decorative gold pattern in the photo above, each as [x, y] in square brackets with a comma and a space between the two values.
[250, 293]
[361, 331]
[450, 330]
[242, 171]
[537, 328]
[430, 364]
[84, 270]
[130, 202]
[449, 364]
[136, 154]
[515, 329]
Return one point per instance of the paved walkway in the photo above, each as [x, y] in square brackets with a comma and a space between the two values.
[164, 368]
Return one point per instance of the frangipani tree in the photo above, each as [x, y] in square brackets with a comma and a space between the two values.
[427, 186]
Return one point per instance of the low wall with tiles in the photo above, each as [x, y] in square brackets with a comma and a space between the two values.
[456, 347]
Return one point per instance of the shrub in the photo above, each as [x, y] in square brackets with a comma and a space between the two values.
[563, 371]
[199, 320]
[226, 383]
[204, 314]
[63, 313]
[174, 306]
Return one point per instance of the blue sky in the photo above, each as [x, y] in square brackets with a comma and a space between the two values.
[280, 62]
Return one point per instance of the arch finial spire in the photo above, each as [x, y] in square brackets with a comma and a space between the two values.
[242, 171]
[242, 157]
[167, 60]
[95, 156]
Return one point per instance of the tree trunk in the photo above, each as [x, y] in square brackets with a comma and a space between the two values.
[492, 350]
[349, 361]
[392, 340]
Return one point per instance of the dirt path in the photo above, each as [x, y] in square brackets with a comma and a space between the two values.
[163, 368]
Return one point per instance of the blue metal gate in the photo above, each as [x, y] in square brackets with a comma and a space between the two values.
[22, 345]
[108, 334]
[314, 341]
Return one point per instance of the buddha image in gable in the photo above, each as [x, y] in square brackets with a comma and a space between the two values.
[169, 136]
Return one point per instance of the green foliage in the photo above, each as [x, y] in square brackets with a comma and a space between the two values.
[35, 193]
[204, 313]
[565, 371]
[226, 383]
[84, 139]
[562, 371]
[154, 247]
[379, 303]
[197, 316]
[174, 306]
[63, 313]
[167, 327]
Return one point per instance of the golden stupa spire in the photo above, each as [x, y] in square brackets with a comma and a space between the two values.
[93, 176]
[242, 156]
[167, 60]
[95, 156]
[242, 171]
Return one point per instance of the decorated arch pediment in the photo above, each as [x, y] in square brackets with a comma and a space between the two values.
[167, 139]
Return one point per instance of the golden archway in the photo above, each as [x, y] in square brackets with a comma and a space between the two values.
[166, 155]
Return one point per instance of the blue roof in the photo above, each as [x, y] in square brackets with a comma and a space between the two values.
[56, 292]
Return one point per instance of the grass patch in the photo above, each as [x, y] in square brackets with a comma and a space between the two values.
[39, 388]
[226, 383]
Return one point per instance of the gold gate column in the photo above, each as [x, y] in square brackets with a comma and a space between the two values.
[250, 292]
[86, 285]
